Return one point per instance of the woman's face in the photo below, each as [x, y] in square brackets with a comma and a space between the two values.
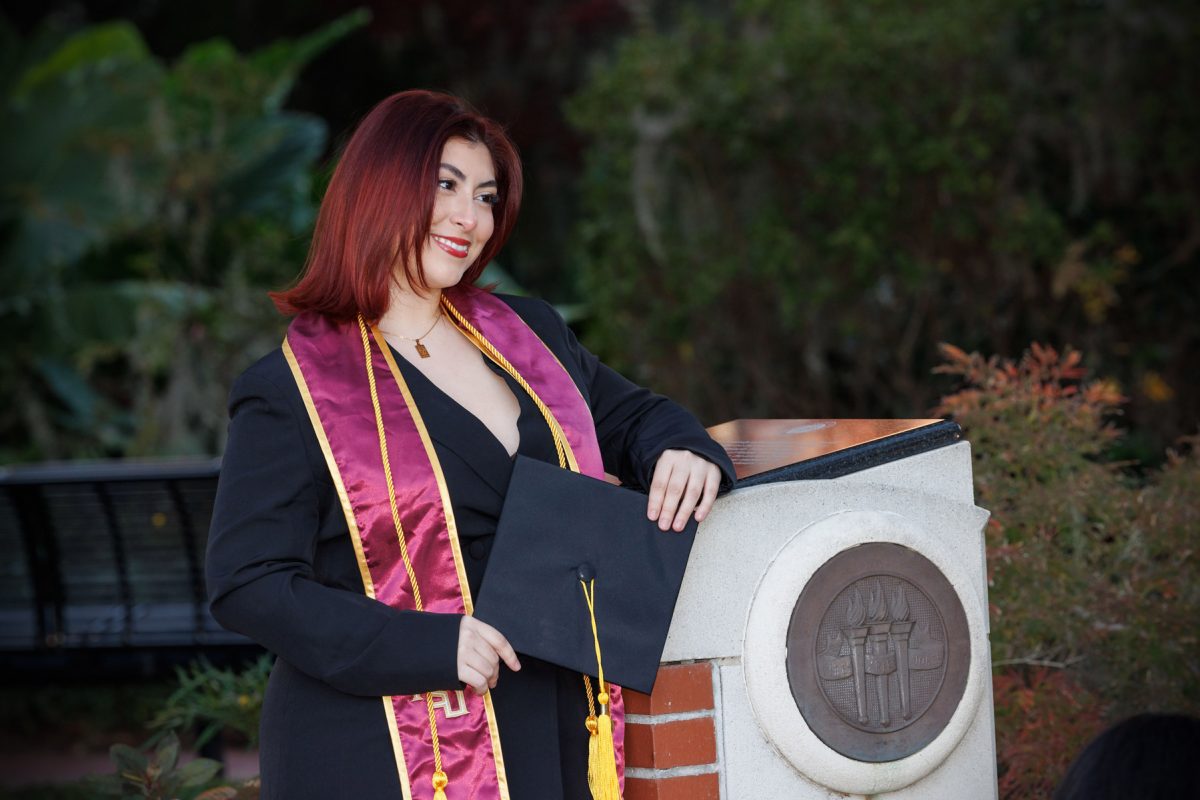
[462, 212]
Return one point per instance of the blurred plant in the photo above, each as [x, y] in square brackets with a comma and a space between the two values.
[53, 791]
[57, 715]
[1094, 575]
[139, 202]
[211, 699]
[1043, 719]
[799, 197]
[157, 775]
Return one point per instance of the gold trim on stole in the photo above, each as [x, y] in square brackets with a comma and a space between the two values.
[355, 537]
[557, 361]
[574, 465]
[452, 531]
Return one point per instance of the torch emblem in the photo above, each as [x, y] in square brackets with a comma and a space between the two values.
[878, 651]
[877, 648]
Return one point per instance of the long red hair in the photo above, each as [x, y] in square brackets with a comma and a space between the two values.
[377, 210]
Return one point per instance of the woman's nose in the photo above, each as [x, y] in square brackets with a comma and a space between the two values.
[463, 214]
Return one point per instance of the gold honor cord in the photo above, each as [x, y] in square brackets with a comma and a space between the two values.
[561, 446]
[602, 763]
[440, 780]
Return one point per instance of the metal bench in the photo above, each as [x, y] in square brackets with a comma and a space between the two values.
[101, 568]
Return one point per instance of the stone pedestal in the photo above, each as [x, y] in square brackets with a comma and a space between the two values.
[831, 637]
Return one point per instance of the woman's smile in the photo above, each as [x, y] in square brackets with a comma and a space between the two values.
[452, 245]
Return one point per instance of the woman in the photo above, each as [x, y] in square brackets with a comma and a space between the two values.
[367, 464]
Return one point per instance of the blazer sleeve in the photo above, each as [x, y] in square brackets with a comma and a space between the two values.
[260, 570]
[634, 425]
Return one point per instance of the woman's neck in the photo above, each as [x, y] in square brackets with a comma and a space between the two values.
[410, 313]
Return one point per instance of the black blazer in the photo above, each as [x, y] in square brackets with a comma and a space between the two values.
[281, 569]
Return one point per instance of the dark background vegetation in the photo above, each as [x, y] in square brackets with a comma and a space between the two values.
[770, 208]
[761, 208]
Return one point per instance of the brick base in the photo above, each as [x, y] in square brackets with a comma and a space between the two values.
[672, 731]
[688, 787]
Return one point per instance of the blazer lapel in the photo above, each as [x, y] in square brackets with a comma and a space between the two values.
[458, 430]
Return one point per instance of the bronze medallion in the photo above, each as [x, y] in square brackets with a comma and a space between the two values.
[878, 652]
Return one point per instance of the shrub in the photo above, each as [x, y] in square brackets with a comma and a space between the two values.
[213, 699]
[1093, 571]
[157, 775]
[801, 196]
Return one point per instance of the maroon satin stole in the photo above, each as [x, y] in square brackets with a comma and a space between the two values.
[330, 364]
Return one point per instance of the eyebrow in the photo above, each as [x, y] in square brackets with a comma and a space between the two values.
[458, 173]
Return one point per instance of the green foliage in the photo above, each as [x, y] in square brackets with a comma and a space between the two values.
[212, 699]
[157, 775]
[142, 208]
[799, 198]
[1092, 574]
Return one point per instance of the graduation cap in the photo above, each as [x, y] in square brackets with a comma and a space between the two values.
[567, 542]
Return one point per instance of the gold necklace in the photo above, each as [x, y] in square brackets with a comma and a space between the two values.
[421, 349]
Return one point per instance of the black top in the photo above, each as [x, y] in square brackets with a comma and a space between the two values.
[281, 569]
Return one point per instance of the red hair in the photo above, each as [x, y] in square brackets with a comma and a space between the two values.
[379, 205]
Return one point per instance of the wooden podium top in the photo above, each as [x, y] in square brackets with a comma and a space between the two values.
[772, 450]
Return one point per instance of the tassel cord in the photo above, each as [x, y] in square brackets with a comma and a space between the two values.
[602, 759]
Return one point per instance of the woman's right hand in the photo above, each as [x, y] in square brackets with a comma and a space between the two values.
[480, 649]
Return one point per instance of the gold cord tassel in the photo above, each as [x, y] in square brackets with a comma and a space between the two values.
[439, 785]
[602, 758]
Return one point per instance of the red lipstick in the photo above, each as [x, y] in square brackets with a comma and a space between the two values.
[452, 244]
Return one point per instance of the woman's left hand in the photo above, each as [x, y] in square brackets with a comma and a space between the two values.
[683, 482]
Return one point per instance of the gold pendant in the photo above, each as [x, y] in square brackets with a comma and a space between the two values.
[421, 351]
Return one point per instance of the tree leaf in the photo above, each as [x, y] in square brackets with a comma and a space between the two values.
[166, 755]
[100, 45]
[207, 54]
[195, 773]
[284, 59]
[128, 759]
[276, 154]
[70, 388]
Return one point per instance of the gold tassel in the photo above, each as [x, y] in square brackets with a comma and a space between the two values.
[439, 785]
[593, 745]
[602, 758]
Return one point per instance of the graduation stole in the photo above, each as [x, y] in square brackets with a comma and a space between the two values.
[401, 521]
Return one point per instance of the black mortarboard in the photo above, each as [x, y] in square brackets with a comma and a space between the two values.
[557, 527]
